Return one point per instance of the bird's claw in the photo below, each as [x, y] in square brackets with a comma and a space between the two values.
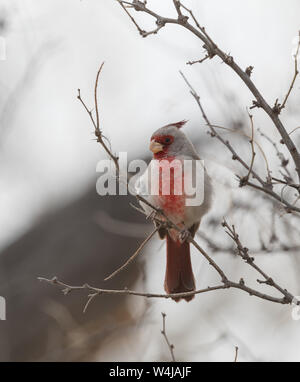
[154, 214]
[183, 235]
[151, 215]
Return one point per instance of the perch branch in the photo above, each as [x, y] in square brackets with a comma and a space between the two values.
[66, 289]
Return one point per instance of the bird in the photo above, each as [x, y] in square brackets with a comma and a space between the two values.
[170, 145]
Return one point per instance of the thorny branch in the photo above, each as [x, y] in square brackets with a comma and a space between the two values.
[213, 50]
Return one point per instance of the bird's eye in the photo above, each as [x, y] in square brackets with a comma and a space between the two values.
[167, 140]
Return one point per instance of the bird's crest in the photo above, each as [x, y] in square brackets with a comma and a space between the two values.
[177, 124]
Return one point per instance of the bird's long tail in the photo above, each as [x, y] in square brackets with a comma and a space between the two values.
[179, 273]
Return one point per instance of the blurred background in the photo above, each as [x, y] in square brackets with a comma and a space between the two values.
[53, 223]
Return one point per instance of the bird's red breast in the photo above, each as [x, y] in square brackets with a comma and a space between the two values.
[171, 177]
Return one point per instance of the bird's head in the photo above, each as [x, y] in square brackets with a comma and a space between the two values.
[168, 141]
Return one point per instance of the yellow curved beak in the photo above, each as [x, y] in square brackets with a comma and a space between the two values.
[156, 147]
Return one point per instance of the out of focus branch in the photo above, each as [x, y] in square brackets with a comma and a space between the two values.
[216, 248]
[252, 148]
[284, 162]
[269, 177]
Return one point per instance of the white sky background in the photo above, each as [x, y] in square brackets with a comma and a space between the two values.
[47, 155]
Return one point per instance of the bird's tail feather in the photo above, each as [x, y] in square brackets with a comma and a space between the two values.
[179, 274]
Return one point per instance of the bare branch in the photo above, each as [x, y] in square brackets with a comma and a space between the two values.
[246, 178]
[96, 123]
[243, 252]
[66, 289]
[236, 353]
[163, 332]
[198, 61]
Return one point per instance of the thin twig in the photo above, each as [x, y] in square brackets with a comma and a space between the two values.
[198, 61]
[136, 253]
[294, 77]
[236, 353]
[252, 148]
[164, 333]
[280, 155]
[96, 123]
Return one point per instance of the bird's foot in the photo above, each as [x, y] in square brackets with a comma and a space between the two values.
[153, 214]
[184, 235]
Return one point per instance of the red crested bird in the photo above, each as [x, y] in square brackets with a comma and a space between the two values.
[166, 191]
